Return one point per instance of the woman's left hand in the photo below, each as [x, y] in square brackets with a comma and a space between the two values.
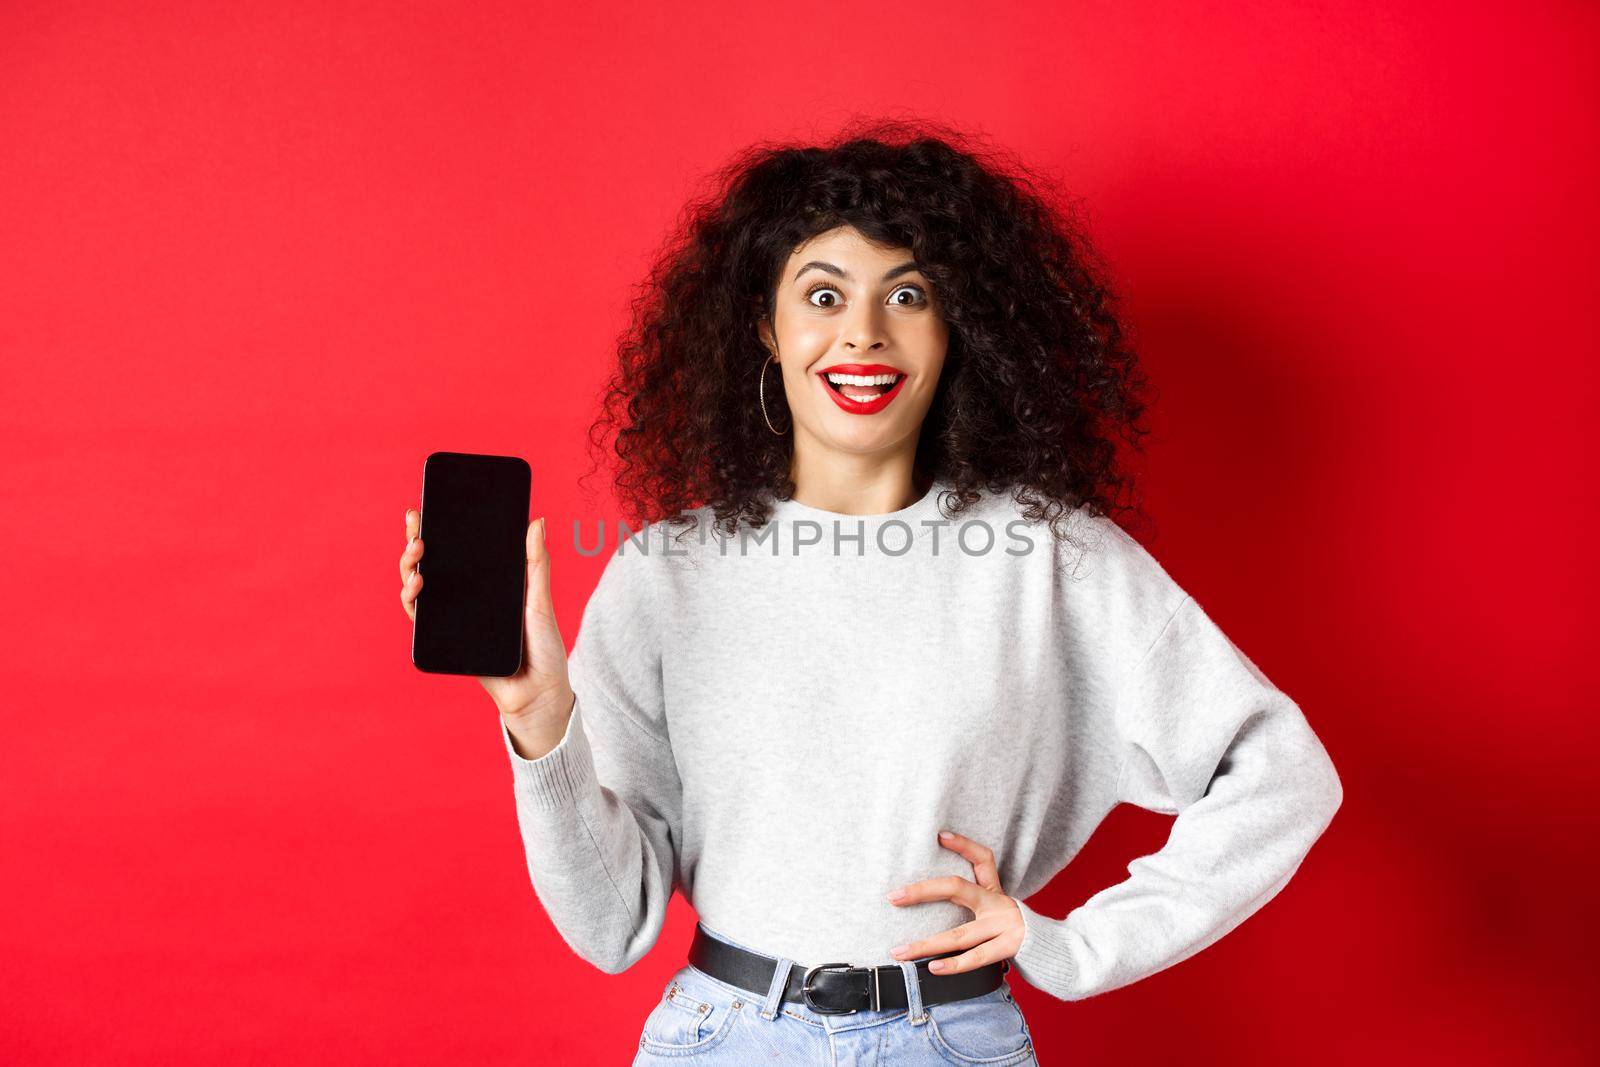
[995, 932]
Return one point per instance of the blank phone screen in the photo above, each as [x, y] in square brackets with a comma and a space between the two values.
[474, 531]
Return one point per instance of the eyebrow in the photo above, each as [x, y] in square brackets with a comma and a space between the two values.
[904, 268]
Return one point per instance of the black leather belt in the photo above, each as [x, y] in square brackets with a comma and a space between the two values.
[838, 988]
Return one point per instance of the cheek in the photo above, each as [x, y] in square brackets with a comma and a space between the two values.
[801, 345]
[806, 338]
[930, 345]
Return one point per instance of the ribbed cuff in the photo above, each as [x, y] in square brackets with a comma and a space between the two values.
[1043, 959]
[557, 778]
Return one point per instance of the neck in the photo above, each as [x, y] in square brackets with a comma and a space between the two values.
[862, 485]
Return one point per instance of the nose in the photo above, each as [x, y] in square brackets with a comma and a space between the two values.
[863, 331]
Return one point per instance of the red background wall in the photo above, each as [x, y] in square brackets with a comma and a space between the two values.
[258, 264]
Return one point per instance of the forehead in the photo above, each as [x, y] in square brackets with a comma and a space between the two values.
[844, 244]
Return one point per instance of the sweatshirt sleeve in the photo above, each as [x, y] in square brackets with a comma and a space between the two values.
[1205, 736]
[601, 813]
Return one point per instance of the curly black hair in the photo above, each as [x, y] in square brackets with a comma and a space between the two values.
[1039, 381]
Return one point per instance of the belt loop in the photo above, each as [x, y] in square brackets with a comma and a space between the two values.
[914, 1009]
[780, 983]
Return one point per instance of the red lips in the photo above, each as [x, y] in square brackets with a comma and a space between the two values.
[862, 407]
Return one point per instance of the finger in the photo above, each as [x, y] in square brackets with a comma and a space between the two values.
[984, 870]
[979, 956]
[408, 601]
[408, 561]
[538, 604]
[409, 558]
[951, 887]
[410, 588]
[959, 937]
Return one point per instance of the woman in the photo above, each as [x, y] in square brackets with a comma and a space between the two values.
[880, 383]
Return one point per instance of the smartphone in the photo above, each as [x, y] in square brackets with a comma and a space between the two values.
[474, 530]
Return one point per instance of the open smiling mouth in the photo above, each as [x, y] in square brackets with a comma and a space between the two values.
[862, 390]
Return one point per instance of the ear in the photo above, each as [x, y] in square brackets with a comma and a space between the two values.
[764, 331]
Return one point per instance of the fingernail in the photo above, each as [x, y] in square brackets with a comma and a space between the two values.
[936, 965]
[898, 894]
[898, 949]
[946, 834]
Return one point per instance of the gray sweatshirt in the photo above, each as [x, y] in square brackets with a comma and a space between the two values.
[779, 724]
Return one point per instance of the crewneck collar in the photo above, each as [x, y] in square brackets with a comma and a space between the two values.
[927, 507]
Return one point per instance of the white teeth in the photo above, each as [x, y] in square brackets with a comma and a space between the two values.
[863, 379]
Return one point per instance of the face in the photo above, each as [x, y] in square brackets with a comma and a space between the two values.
[860, 341]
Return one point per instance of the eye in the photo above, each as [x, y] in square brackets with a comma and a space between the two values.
[894, 296]
[821, 287]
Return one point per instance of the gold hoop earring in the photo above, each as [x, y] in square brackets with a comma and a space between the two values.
[761, 392]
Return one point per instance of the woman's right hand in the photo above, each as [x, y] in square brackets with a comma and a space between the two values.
[536, 702]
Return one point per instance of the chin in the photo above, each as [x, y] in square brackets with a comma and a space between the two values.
[862, 439]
